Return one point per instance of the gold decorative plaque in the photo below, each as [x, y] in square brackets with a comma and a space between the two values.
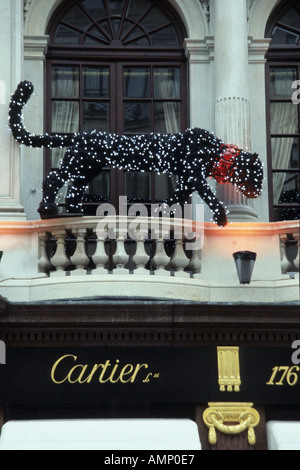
[219, 415]
[229, 368]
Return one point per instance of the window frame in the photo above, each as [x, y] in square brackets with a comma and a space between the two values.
[279, 56]
[116, 58]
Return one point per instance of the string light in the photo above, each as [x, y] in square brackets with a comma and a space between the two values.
[193, 155]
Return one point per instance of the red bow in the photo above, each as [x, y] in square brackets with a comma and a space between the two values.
[221, 167]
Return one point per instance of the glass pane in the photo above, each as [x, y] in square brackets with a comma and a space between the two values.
[167, 117]
[127, 26]
[165, 37]
[136, 82]
[65, 82]
[154, 19]
[116, 7]
[165, 186]
[167, 82]
[136, 38]
[285, 153]
[96, 116]
[100, 186]
[116, 24]
[286, 188]
[65, 35]
[281, 80]
[284, 118]
[136, 117]
[76, 17]
[96, 81]
[138, 186]
[65, 116]
[291, 18]
[281, 36]
[90, 40]
[57, 156]
[136, 8]
[95, 8]
[287, 213]
[94, 35]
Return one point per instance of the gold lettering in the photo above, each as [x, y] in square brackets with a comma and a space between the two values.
[284, 375]
[137, 369]
[105, 366]
[125, 372]
[78, 379]
[79, 373]
[53, 370]
[113, 373]
[94, 369]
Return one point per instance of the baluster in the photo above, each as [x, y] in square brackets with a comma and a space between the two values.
[140, 258]
[100, 258]
[161, 259]
[43, 261]
[195, 264]
[80, 259]
[285, 264]
[120, 258]
[59, 260]
[179, 260]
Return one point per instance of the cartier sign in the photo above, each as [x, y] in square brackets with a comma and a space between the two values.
[100, 375]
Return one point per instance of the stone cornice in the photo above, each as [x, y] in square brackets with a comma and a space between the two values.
[148, 323]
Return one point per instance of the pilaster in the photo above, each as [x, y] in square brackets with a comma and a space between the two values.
[232, 103]
[11, 58]
[35, 48]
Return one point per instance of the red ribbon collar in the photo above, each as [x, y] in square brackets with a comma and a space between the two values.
[222, 165]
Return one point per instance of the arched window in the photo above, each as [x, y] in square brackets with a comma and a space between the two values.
[283, 110]
[117, 66]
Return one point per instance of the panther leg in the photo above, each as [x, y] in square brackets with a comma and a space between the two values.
[76, 192]
[51, 185]
[218, 209]
[75, 195]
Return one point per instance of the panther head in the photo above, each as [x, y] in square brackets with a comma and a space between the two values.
[247, 174]
[240, 168]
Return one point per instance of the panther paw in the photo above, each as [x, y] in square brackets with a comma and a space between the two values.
[47, 210]
[221, 218]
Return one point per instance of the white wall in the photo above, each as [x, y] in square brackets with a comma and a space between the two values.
[23, 181]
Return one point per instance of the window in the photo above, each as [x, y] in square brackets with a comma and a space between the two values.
[283, 74]
[116, 66]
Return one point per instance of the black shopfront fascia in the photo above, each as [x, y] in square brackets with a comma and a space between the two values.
[144, 354]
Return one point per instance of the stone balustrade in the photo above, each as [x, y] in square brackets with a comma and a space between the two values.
[78, 249]
[289, 249]
[87, 257]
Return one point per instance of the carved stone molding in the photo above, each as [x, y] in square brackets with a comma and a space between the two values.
[27, 4]
[242, 415]
[134, 323]
[206, 7]
[229, 368]
[250, 5]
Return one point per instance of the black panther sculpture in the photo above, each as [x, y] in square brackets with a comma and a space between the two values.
[193, 155]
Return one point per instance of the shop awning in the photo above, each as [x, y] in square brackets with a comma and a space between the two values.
[283, 435]
[107, 434]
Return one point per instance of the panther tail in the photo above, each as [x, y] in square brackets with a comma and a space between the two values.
[17, 102]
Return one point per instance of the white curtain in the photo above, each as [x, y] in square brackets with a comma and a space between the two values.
[65, 114]
[168, 87]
